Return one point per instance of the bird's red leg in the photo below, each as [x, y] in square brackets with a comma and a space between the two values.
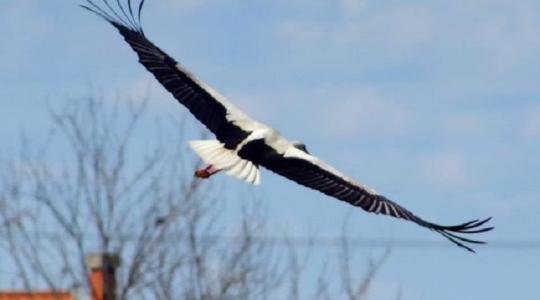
[206, 172]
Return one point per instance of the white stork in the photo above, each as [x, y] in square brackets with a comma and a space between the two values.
[243, 144]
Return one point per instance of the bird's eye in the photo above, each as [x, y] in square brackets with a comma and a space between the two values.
[301, 146]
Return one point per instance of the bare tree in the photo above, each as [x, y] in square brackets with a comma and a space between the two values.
[96, 187]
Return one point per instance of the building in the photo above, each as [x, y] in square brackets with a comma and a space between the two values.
[101, 279]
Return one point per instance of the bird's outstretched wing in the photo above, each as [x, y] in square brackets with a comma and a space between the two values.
[311, 172]
[208, 106]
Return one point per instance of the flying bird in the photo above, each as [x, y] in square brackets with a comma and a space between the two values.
[242, 144]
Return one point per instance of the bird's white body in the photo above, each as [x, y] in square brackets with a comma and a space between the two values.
[213, 152]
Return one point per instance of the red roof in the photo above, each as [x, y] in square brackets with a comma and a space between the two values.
[36, 295]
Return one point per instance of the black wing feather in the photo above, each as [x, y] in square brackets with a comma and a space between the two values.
[314, 176]
[178, 81]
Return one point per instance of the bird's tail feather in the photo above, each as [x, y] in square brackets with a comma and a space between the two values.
[214, 153]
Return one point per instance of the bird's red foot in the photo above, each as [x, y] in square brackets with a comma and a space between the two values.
[206, 172]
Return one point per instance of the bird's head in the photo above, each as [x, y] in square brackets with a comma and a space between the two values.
[300, 146]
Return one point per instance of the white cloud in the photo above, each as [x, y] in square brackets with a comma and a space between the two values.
[17, 44]
[445, 169]
[365, 112]
[352, 7]
[401, 31]
[510, 37]
[530, 128]
[394, 35]
[468, 46]
[469, 124]
[185, 6]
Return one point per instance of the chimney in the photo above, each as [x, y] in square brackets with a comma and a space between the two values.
[102, 277]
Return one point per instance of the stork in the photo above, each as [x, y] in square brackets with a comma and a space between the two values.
[243, 145]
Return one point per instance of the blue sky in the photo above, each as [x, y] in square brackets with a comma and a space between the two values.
[435, 104]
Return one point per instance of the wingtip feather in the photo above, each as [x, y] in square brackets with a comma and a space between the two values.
[471, 227]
